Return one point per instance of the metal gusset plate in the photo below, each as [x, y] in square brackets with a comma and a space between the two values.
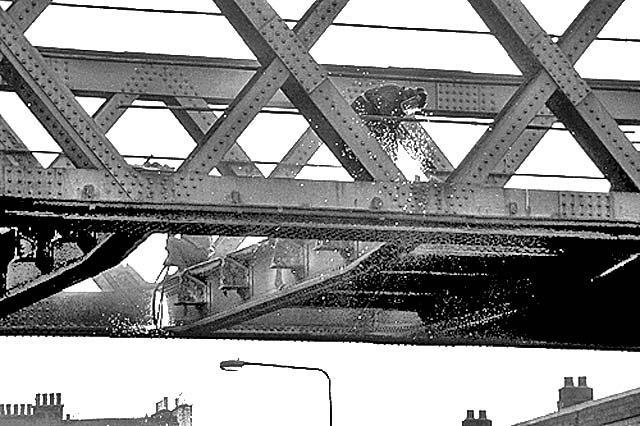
[551, 79]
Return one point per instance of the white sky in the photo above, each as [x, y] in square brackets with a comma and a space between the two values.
[372, 384]
[375, 385]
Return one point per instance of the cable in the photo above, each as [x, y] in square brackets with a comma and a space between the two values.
[136, 9]
[203, 109]
[275, 163]
[428, 119]
[539, 175]
[336, 24]
[166, 157]
[364, 117]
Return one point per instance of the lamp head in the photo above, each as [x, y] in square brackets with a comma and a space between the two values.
[231, 365]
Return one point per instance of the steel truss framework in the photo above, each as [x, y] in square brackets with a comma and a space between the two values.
[99, 192]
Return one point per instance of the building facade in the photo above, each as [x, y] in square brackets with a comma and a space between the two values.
[48, 410]
[576, 407]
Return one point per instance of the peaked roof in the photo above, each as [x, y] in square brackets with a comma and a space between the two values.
[614, 408]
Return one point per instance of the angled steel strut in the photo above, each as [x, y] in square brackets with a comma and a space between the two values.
[551, 79]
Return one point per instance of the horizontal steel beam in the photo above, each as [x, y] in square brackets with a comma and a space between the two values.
[372, 211]
[219, 80]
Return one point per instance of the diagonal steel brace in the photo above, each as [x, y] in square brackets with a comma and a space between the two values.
[307, 86]
[551, 78]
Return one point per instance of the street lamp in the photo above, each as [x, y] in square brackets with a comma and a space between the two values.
[234, 365]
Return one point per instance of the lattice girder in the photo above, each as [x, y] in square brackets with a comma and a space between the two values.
[310, 89]
[104, 193]
[55, 106]
[548, 70]
[261, 88]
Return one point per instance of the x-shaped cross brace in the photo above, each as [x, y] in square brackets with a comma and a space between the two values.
[287, 64]
[551, 79]
[24, 14]
[51, 101]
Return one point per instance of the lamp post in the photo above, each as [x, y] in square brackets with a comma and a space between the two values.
[234, 365]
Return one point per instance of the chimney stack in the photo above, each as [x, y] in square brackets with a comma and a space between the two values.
[162, 405]
[570, 395]
[482, 419]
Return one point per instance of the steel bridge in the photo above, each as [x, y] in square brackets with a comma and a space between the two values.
[459, 258]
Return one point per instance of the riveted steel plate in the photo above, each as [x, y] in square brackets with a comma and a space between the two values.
[33, 183]
[458, 97]
[556, 63]
[293, 54]
[585, 206]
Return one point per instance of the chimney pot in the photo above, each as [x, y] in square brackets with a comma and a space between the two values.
[177, 402]
[165, 401]
[30, 409]
[1, 409]
[37, 400]
[51, 402]
[22, 406]
[15, 410]
[482, 419]
[68, 416]
[571, 395]
[44, 399]
[58, 398]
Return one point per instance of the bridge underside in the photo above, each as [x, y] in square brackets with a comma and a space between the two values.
[455, 258]
[563, 295]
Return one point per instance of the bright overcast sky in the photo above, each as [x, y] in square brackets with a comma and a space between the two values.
[374, 385]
